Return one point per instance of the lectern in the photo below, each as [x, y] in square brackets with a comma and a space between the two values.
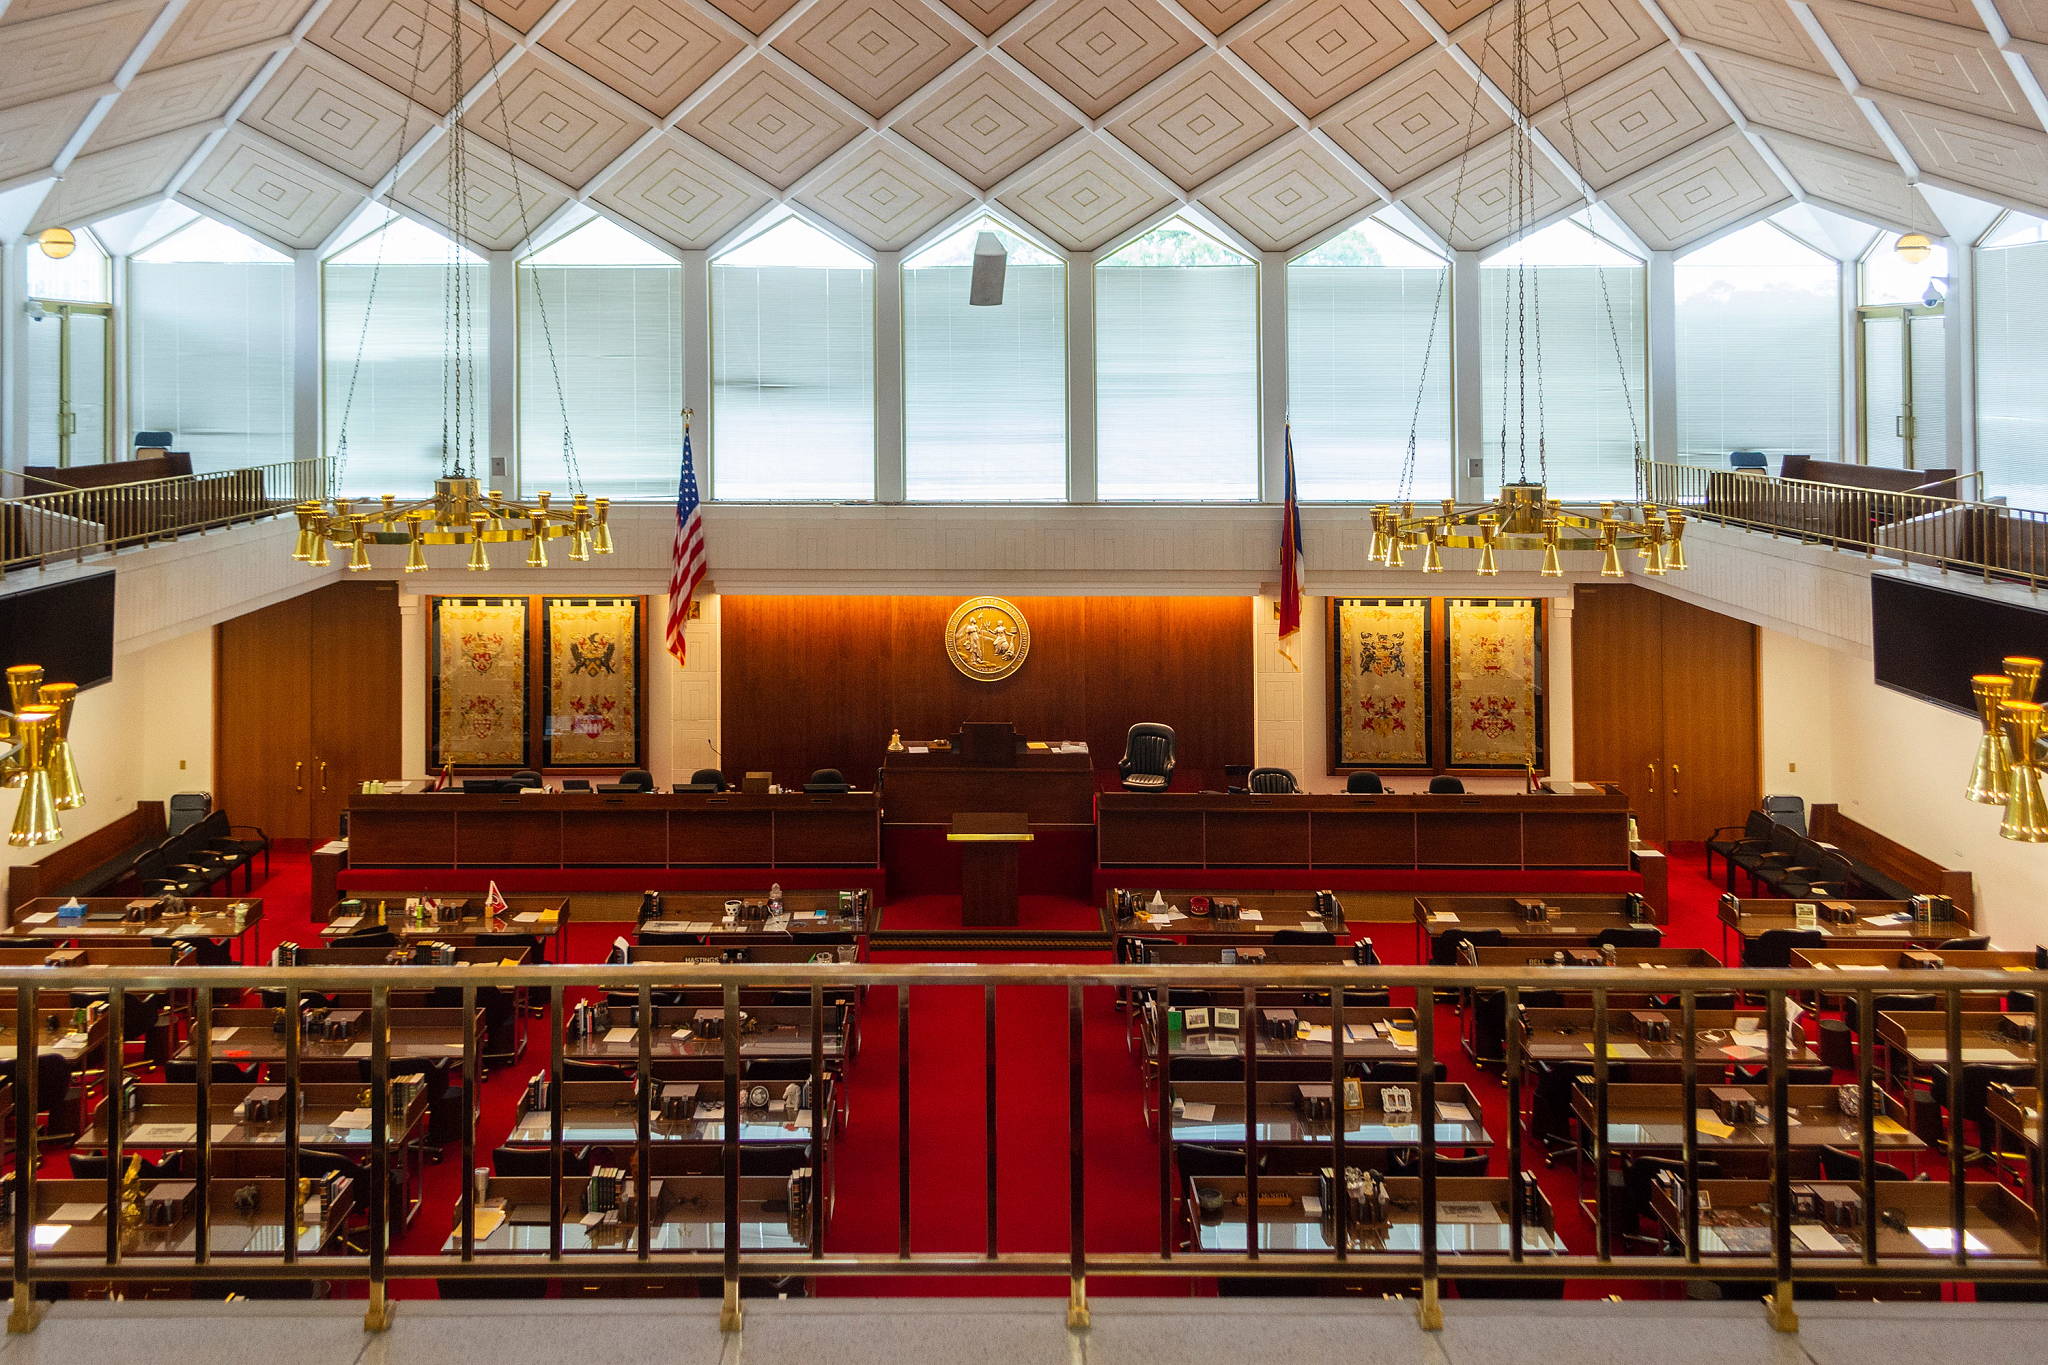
[988, 865]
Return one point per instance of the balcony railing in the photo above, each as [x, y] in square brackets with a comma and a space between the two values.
[1338, 1250]
[71, 523]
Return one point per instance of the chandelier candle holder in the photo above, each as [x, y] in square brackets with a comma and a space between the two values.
[1991, 775]
[1523, 518]
[24, 689]
[459, 513]
[64, 783]
[2007, 771]
[35, 819]
[2026, 813]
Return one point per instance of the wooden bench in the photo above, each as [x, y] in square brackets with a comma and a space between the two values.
[93, 863]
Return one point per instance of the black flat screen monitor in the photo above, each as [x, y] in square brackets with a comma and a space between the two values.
[67, 627]
[1927, 641]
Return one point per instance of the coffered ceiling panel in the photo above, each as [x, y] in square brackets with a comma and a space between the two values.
[1634, 118]
[1971, 150]
[1414, 119]
[883, 194]
[1084, 195]
[986, 123]
[1453, 15]
[95, 185]
[1218, 15]
[505, 201]
[1571, 43]
[684, 193]
[2026, 18]
[569, 126]
[1289, 195]
[31, 135]
[68, 52]
[1794, 101]
[249, 179]
[210, 26]
[1924, 60]
[324, 109]
[769, 122]
[1961, 13]
[1471, 206]
[1761, 28]
[1208, 119]
[518, 15]
[1098, 53]
[988, 15]
[1864, 187]
[655, 52]
[21, 11]
[754, 15]
[1315, 52]
[404, 43]
[197, 92]
[1703, 190]
[877, 53]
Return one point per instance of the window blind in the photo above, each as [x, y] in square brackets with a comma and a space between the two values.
[395, 421]
[2012, 355]
[1759, 359]
[210, 354]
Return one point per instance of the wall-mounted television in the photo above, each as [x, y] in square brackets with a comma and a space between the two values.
[1927, 641]
[66, 627]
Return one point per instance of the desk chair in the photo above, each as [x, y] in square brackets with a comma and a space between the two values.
[1446, 786]
[531, 941]
[1837, 1164]
[575, 784]
[1646, 936]
[1773, 947]
[1747, 459]
[828, 780]
[1364, 783]
[575, 1070]
[707, 779]
[637, 779]
[1272, 782]
[370, 936]
[1445, 954]
[1318, 937]
[527, 777]
[1147, 764]
[534, 1161]
[1390, 1071]
[1639, 1184]
[1408, 1161]
[1796, 1073]
[1976, 943]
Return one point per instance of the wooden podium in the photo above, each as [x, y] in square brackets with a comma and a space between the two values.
[988, 865]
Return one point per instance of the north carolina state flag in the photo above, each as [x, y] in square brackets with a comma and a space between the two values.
[1293, 564]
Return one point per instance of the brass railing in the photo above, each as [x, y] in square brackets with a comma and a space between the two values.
[1986, 538]
[75, 522]
[1077, 1263]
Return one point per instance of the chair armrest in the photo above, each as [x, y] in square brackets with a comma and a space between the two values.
[1727, 829]
[252, 829]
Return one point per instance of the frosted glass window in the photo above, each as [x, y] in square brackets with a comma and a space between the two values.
[1555, 393]
[1362, 368]
[793, 368]
[1177, 369]
[1759, 348]
[1889, 277]
[416, 406]
[984, 389]
[210, 346]
[2012, 355]
[611, 308]
[80, 277]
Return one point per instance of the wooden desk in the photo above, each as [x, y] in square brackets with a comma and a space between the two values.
[542, 917]
[699, 916]
[1517, 955]
[57, 1038]
[785, 1032]
[1477, 1221]
[1362, 1041]
[988, 865]
[1751, 918]
[1272, 911]
[341, 955]
[1739, 1223]
[719, 952]
[1921, 1037]
[207, 917]
[230, 1232]
[686, 1213]
[1204, 829]
[609, 1112]
[95, 955]
[1643, 1118]
[2016, 1110]
[1852, 961]
[1579, 917]
[1279, 1121]
[1051, 789]
[597, 829]
[415, 1034]
[1565, 1035]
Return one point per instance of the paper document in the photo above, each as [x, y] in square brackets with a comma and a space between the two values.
[1310, 926]
[1740, 1053]
[1198, 1113]
[77, 1213]
[351, 1118]
[1320, 1033]
[1312, 1206]
[1885, 1127]
[1453, 1113]
[153, 1134]
[1944, 1240]
[488, 1221]
[345, 922]
[1256, 915]
[1634, 1052]
[621, 1035]
[1466, 1211]
[919, 748]
[221, 1035]
[530, 917]
[357, 1050]
[1710, 1125]
[1444, 917]
[1815, 1237]
[43, 918]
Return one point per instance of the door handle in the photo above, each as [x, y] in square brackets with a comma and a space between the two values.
[1653, 777]
[298, 777]
[1899, 425]
[323, 774]
[1674, 779]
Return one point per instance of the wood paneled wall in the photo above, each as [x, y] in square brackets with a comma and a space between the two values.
[819, 682]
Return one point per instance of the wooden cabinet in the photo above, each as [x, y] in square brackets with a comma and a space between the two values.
[1664, 705]
[306, 707]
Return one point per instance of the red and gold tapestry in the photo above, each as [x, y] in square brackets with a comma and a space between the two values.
[593, 671]
[1381, 657]
[479, 672]
[1492, 701]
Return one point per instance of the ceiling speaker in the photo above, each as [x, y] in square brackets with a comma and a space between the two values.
[985, 289]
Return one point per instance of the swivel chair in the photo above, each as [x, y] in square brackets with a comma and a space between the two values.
[828, 780]
[1367, 783]
[1446, 786]
[1147, 764]
[1272, 782]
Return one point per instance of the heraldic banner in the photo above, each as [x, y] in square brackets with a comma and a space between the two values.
[1493, 714]
[1381, 657]
[593, 681]
[480, 691]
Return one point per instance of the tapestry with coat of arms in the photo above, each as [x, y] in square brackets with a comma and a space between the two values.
[593, 681]
[1491, 699]
[1382, 671]
[480, 685]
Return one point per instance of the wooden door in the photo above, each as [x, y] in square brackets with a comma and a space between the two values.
[1710, 720]
[1618, 697]
[263, 718]
[355, 688]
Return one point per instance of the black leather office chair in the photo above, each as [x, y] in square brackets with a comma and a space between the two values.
[1642, 936]
[637, 779]
[1408, 1161]
[828, 780]
[1368, 784]
[1974, 944]
[574, 1070]
[1446, 786]
[708, 777]
[1836, 1164]
[533, 1161]
[527, 777]
[1445, 953]
[1773, 947]
[1311, 937]
[1272, 782]
[1147, 764]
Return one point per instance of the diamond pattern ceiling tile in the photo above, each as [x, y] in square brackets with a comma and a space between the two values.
[1862, 186]
[324, 109]
[990, 15]
[655, 52]
[769, 123]
[1085, 195]
[1794, 101]
[67, 52]
[1470, 203]
[96, 185]
[567, 126]
[755, 15]
[1633, 118]
[21, 11]
[197, 92]
[1202, 124]
[210, 26]
[504, 202]
[683, 193]
[1698, 192]
[1290, 195]
[1761, 28]
[1924, 60]
[1961, 13]
[1582, 39]
[2027, 19]
[986, 124]
[251, 180]
[1315, 52]
[877, 53]
[1414, 119]
[404, 43]
[1218, 15]
[520, 15]
[884, 195]
[1972, 151]
[1451, 15]
[31, 135]
[1098, 53]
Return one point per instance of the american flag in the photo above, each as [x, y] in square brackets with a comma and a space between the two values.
[687, 570]
[1293, 563]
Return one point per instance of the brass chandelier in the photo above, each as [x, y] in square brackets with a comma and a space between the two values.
[41, 765]
[1521, 517]
[2008, 767]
